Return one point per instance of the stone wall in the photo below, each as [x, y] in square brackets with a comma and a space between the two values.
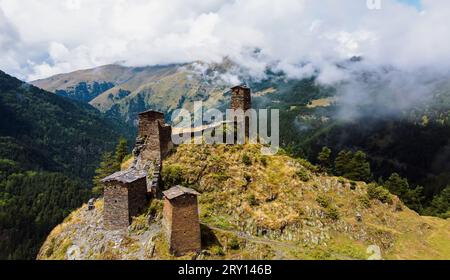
[147, 121]
[241, 98]
[122, 202]
[165, 135]
[137, 199]
[125, 197]
[182, 225]
[157, 136]
[116, 214]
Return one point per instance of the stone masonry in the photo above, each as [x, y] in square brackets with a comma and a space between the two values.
[241, 99]
[125, 197]
[154, 137]
[126, 192]
[181, 221]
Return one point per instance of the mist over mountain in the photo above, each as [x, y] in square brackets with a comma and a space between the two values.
[363, 95]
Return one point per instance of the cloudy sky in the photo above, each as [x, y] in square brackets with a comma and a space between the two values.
[40, 38]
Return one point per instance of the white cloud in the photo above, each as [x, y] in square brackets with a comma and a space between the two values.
[39, 38]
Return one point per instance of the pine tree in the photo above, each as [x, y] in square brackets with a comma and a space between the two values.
[440, 206]
[121, 151]
[108, 166]
[353, 166]
[412, 197]
[341, 162]
[359, 168]
[397, 185]
[324, 157]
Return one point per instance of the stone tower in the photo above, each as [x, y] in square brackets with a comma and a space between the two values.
[154, 137]
[241, 98]
[126, 192]
[125, 197]
[181, 220]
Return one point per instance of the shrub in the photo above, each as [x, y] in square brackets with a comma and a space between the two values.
[375, 191]
[139, 224]
[303, 175]
[332, 213]
[365, 202]
[264, 161]
[252, 200]
[323, 200]
[217, 250]
[234, 244]
[246, 160]
[306, 164]
[220, 176]
[173, 175]
[156, 208]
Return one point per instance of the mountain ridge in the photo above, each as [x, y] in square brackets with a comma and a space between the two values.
[136, 89]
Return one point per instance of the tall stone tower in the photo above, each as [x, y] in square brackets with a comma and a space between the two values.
[181, 220]
[154, 137]
[241, 98]
[125, 197]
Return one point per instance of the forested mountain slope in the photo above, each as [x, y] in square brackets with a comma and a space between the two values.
[49, 149]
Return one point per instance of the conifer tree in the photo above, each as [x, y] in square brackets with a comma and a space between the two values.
[324, 157]
[359, 168]
[341, 162]
[121, 151]
[440, 206]
[399, 186]
[108, 166]
[353, 166]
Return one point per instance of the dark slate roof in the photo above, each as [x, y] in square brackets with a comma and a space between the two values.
[177, 191]
[244, 86]
[127, 176]
[151, 112]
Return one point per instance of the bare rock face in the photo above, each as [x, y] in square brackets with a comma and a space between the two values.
[83, 236]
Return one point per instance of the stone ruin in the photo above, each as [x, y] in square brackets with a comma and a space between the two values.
[154, 139]
[240, 100]
[126, 193]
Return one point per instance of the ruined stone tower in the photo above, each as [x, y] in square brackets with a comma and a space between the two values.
[125, 197]
[154, 137]
[241, 98]
[126, 192]
[181, 222]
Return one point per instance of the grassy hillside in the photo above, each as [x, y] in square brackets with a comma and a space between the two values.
[49, 149]
[258, 207]
[311, 114]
